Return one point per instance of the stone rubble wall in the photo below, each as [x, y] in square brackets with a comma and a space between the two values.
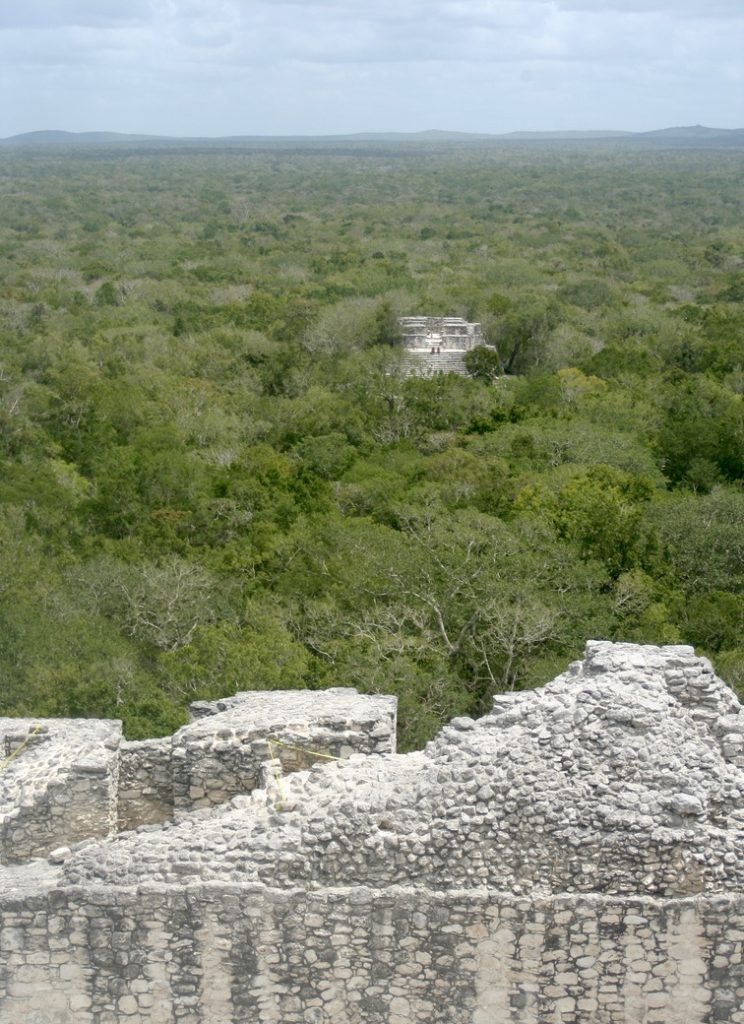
[249, 955]
[79, 806]
[64, 781]
[574, 857]
[145, 794]
[691, 680]
[600, 782]
[60, 786]
[210, 770]
[211, 767]
[219, 755]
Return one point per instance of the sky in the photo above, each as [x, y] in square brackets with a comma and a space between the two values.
[316, 67]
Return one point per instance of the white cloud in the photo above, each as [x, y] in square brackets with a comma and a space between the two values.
[55, 13]
[676, 8]
[335, 65]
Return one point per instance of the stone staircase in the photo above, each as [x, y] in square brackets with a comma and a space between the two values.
[425, 363]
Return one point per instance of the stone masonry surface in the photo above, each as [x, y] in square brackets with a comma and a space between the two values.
[575, 856]
[437, 344]
[220, 754]
[58, 783]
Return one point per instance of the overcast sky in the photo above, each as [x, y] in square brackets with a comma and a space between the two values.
[233, 67]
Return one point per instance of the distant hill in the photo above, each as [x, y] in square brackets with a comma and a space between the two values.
[568, 135]
[694, 135]
[56, 138]
[695, 131]
[430, 135]
[63, 138]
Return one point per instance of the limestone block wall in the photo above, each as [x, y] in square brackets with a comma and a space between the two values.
[219, 755]
[574, 857]
[600, 782]
[210, 769]
[145, 794]
[690, 680]
[78, 806]
[58, 785]
[250, 955]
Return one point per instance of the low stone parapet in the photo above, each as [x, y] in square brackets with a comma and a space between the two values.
[246, 954]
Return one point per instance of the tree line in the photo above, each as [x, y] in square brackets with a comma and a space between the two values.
[217, 475]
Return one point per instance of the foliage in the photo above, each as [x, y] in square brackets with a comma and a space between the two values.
[216, 474]
[483, 363]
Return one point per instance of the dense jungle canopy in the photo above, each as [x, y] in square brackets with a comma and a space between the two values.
[217, 476]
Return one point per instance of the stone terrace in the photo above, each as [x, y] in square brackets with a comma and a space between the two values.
[574, 857]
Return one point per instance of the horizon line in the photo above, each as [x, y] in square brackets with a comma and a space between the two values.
[366, 132]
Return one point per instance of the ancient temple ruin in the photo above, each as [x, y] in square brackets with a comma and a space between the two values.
[575, 856]
[437, 344]
[68, 780]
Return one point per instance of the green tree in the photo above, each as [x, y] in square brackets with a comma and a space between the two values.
[223, 658]
[700, 440]
[522, 337]
[483, 363]
[602, 511]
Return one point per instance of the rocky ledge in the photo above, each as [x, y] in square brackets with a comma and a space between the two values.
[623, 776]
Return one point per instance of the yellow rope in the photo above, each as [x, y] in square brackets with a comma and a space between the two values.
[4, 764]
[273, 741]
